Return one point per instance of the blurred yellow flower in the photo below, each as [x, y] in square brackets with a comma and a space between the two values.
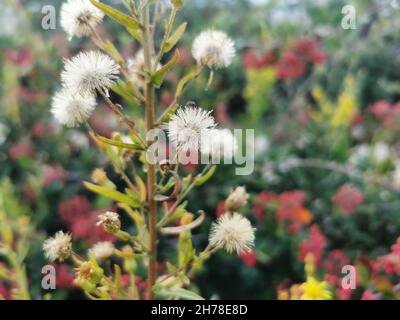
[313, 289]
[340, 114]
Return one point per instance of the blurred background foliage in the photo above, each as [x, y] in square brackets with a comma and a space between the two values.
[324, 103]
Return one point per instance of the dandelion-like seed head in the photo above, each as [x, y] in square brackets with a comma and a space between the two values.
[90, 71]
[187, 126]
[214, 49]
[233, 232]
[58, 247]
[71, 108]
[110, 222]
[102, 250]
[136, 67]
[79, 17]
[219, 143]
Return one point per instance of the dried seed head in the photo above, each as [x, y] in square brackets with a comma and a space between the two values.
[236, 200]
[110, 222]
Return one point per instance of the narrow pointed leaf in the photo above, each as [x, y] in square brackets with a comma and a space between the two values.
[173, 40]
[159, 75]
[117, 15]
[112, 194]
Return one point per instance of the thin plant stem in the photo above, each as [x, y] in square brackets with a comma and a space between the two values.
[151, 170]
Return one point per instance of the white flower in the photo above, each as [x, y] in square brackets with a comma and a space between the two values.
[381, 152]
[59, 247]
[102, 250]
[233, 232]
[213, 48]
[90, 71]
[219, 143]
[187, 126]
[71, 109]
[136, 66]
[79, 17]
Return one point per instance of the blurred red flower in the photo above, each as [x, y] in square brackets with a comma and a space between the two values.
[20, 150]
[253, 60]
[348, 198]
[55, 173]
[314, 244]
[262, 199]
[249, 258]
[290, 66]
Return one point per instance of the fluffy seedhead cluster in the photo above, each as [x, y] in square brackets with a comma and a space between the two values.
[153, 197]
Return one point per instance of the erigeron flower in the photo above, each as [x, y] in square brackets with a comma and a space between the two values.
[236, 200]
[71, 108]
[213, 48]
[136, 67]
[313, 289]
[79, 17]
[90, 71]
[233, 232]
[219, 143]
[58, 247]
[187, 126]
[102, 250]
[110, 222]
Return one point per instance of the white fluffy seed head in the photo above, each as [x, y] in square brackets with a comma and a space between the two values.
[187, 126]
[214, 49]
[58, 247]
[90, 71]
[219, 143]
[233, 232]
[102, 250]
[136, 67]
[79, 17]
[71, 109]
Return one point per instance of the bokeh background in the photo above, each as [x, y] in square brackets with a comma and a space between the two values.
[325, 105]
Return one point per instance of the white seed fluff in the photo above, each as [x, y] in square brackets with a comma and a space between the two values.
[233, 232]
[79, 17]
[213, 48]
[102, 250]
[219, 143]
[90, 71]
[136, 67]
[71, 109]
[58, 247]
[187, 126]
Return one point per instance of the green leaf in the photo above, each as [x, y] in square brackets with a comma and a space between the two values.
[172, 40]
[120, 144]
[179, 293]
[202, 179]
[159, 75]
[136, 33]
[112, 194]
[118, 16]
[114, 53]
[182, 83]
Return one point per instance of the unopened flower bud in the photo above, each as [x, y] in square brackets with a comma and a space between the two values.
[99, 176]
[186, 218]
[236, 200]
[88, 275]
[178, 3]
[110, 222]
